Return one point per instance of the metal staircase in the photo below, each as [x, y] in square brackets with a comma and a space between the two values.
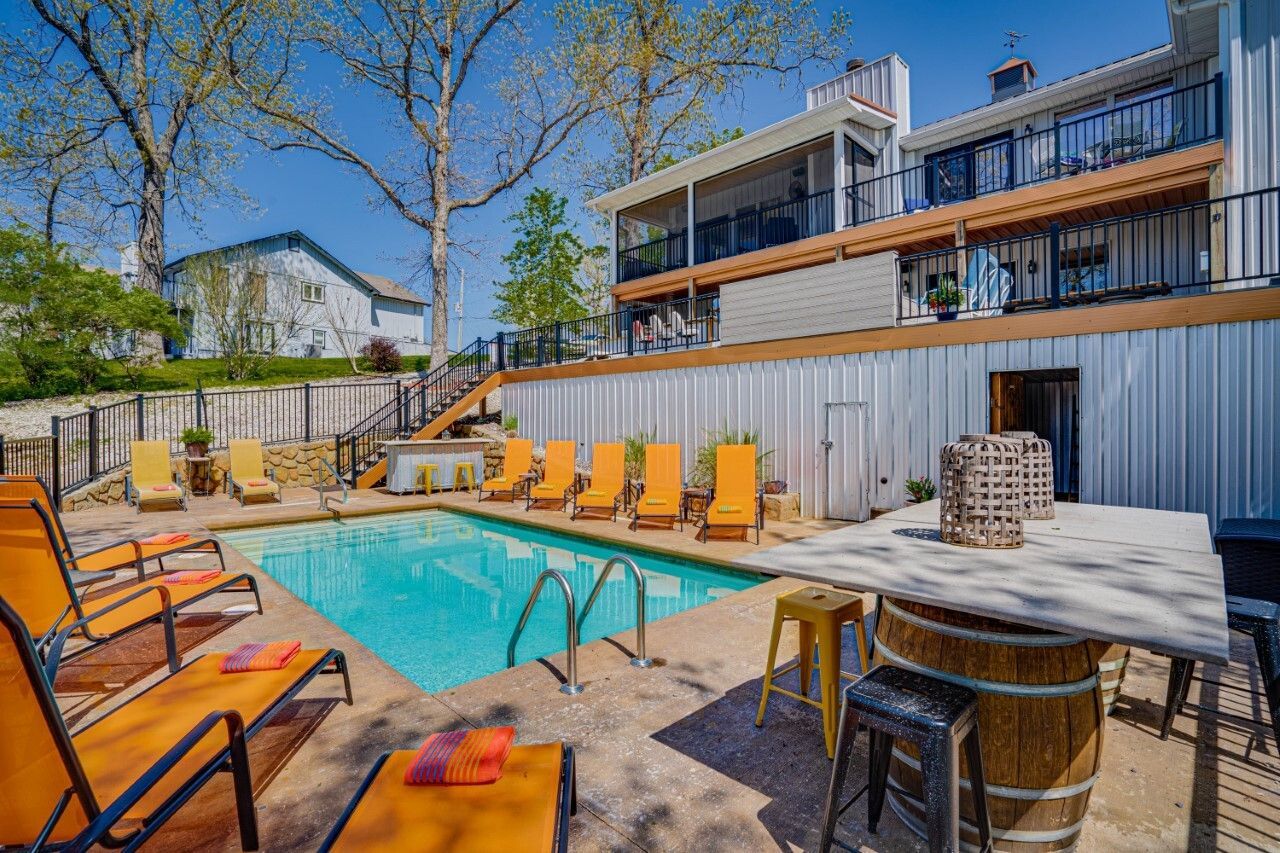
[360, 448]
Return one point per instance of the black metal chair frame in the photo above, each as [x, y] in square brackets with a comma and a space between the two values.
[567, 797]
[676, 518]
[235, 758]
[617, 502]
[757, 526]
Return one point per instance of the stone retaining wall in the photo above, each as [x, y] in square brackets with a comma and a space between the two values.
[295, 465]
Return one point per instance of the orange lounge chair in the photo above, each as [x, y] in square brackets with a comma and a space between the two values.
[737, 500]
[607, 481]
[34, 578]
[89, 567]
[140, 762]
[663, 486]
[150, 479]
[527, 809]
[249, 475]
[515, 466]
[557, 475]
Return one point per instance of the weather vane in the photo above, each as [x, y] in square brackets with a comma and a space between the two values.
[1014, 38]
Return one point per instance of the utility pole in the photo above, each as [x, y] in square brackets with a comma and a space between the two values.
[462, 289]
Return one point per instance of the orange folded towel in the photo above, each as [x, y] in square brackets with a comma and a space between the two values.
[165, 539]
[255, 657]
[257, 482]
[467, 757]
[191, 576]
[167, 487]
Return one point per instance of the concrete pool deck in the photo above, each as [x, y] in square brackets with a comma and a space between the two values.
[668, 758]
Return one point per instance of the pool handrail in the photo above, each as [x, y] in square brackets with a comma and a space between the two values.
[640, 660]
[324, 496]
[571, 687]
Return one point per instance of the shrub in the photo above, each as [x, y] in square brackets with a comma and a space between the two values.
[511, 423]
[633, 452]
[703, 473]
[382, 355]
[420, 363]
[921, 489]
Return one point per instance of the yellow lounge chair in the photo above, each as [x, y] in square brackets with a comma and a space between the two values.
[663, 486]
[102, 563]
[140, 762]
[515, 465]
[249, 475]
[150, 479]
[35, 580]
[557, 475]
[607, 481]
[737, 501]
[527, 809]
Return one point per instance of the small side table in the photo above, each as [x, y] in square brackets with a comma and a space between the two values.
[200, 470]
[687, 496]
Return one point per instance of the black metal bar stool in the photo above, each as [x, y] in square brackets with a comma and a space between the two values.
[935, 715]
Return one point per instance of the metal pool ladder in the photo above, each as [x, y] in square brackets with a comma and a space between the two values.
[640, 660]
[324, 496]
[571, 687]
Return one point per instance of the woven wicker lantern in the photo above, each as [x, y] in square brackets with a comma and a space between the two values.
[981, 487]
[1037, 474]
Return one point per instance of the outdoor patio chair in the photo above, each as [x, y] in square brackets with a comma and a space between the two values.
[607, 482]
[738, 500]
[150, 479]
[249, 475]
[641, 333]
[663, 486]
[557, 476]
[34, 577]
[516, 465]
[527, 809]
[141, 761]
[102, 563]
[681, 329]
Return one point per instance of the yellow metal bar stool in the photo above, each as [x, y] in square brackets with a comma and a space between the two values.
[464, 472]
[428, 474]
[821, 614]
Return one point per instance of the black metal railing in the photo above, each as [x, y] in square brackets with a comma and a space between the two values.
[665, 253]
[29, 456]
[1229, 242]
[786, 222]
[1155, 125]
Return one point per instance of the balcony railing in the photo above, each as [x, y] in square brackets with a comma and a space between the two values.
[1156, 125]
[665, 253]
[1229, 242]
[640, 329]
[786, 222]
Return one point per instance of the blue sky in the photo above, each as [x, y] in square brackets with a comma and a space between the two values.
[949, 47]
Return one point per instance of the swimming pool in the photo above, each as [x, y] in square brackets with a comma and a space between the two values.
[437, 594]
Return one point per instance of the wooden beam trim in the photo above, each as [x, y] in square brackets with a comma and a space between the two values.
[1171, 312]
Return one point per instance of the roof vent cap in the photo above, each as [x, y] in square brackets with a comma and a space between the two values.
[854, 64]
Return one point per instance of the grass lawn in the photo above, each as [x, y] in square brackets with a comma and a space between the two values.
[181, 375]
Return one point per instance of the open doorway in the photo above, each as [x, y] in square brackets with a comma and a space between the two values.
[1046, 402]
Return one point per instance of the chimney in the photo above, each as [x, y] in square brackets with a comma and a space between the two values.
[1014, 76]
[854, 64]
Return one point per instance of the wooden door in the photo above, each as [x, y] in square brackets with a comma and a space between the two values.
[1007, 402]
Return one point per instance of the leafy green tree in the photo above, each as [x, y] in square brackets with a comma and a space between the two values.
[662, 66]
[545, 284]
[62, 322]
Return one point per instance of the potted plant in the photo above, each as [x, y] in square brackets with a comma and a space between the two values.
[945, 299]
[920, 489]
[197, 440]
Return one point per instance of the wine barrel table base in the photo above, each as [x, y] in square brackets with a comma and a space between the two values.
[1040, 710]
[1113, 661]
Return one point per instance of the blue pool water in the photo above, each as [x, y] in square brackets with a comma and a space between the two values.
[437, 594]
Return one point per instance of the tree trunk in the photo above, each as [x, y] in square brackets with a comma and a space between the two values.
[439, 288]
[149, 347]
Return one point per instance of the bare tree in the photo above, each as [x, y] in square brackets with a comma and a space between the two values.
[342, 310]
[429, 61]
[249, 314]
[159, 71]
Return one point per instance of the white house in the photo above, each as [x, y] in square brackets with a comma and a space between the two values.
[329, 303]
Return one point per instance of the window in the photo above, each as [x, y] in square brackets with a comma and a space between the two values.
[317, 338]
[312, 292]
[295, 244]
[260, 337]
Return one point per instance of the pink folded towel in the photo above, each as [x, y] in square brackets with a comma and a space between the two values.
[257, 482]
[256, 657]
[165, 539]
[167, 487]
[191, 576]
[473, 757]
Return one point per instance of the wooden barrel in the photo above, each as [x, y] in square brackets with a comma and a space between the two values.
[1040, 717]
[1113, 660]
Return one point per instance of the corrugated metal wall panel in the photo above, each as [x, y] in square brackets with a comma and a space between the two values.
[1181, 419]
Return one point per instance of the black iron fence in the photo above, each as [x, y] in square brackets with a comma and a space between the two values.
[1220, 243]
[665, 253]
[786, 222]
[1132, 131]
[29, 456]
